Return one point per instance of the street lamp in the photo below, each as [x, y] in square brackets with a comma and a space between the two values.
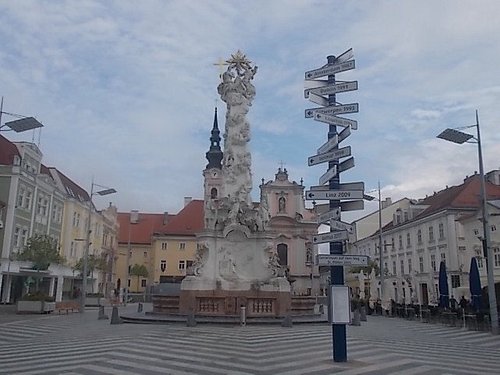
[380, 247]
[21, 125]
[105, 191]
[133, 219]
[456, 136]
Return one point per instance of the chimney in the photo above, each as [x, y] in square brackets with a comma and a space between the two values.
[187, 200]
[134, 217]
[165, 218]
[386, 202]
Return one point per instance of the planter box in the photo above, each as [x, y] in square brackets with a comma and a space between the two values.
[48, 307]
[29, 307]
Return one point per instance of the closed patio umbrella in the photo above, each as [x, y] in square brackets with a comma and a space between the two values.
[444, 293]
[475, 285]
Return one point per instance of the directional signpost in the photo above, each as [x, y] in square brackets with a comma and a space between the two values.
[342, 197]
[342, 260]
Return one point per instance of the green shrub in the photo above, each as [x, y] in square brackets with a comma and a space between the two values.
[37, 296]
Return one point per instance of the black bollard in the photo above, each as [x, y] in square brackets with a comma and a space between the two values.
[287, 321]
[190, 320]
[115, 318]
[102, 315]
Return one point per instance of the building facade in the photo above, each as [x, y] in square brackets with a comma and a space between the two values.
[444, 227]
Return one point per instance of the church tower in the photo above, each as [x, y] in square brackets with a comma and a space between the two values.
[213, 181]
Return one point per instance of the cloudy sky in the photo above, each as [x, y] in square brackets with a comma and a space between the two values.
[126, 89]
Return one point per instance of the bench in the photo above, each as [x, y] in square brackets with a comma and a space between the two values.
[67, 307]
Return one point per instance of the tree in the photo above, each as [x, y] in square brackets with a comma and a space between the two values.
[41, 251]
[94, 262]
[139, 270]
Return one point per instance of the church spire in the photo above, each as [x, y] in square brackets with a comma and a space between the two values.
[214, 154]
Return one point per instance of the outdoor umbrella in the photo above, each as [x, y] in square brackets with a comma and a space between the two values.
[444, 293]
[475, 285]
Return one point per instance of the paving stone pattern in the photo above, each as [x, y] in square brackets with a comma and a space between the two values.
[76, 344]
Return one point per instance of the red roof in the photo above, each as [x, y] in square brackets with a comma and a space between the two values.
[7, 151]
[72, 188]
[466, 195]
[187, 222]
[141, 232]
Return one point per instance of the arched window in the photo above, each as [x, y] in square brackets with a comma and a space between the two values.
[283, 254]
[213, 193]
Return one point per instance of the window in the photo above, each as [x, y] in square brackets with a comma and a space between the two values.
[164, 245]
[20, 197]
[17, 231]
[431, 233]
[419, 237]
[43, 204]
[213, 193]
[386, 268]
[408, 239]
[392, 243]
[143, 283]
[27, 199]
[421, 264]
[76, 219]
[402, 266]
[455, 281]
[479, 262]
[496, 256]
[182, 245]
[145, 254]
[24, 237]
[410, 268]
[189, 264]
[72, 249]
[441, 231]
[493, 228]
[282, 254]
[433, 262]
[443, 258]
[394, 267]
[182, 265]
[163, 265]
[400, 241]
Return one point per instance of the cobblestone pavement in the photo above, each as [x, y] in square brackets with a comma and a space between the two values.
[82, 344]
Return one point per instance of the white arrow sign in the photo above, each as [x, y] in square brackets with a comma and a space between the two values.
[329, 156]
[347, 55]
[330, 69]
[333, 109]
[331, 143]
[342, 260]
[352, 205]
[344, 134]
[352, 186]
[330, 237]
[331, 173]
[330, 215]
[340, 225]
[332, 89]
[314, 83]
[333, 194]
[318, 99]
[336, 120]
[346, 164]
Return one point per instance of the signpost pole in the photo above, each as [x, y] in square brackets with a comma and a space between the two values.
[336, 272]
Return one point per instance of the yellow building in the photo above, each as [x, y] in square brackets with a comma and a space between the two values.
[165, 244]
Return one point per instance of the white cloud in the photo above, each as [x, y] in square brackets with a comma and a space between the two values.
[126, 92]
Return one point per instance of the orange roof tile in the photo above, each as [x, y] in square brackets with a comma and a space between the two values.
[189, 220]
[141, 232]
[7, 151]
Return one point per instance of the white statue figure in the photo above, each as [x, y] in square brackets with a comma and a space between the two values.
[237, 91]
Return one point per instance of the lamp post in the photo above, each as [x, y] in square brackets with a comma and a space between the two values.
[380, 247]
[133, 219]
[21, 125]
[105, 191]
[456, 136]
